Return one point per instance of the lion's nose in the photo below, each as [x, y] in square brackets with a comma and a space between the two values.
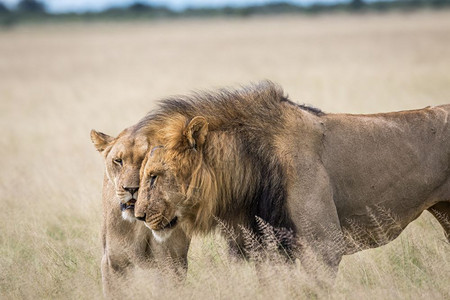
[131, 190]
[142, 218]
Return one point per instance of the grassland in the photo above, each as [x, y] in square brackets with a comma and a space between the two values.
[58, 82]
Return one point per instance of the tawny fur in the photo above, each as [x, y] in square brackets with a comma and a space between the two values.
[127, 243]
[340, 182]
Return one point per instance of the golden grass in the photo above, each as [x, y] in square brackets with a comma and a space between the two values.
[58, 82]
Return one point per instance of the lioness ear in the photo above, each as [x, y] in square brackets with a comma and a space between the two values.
[100, 140]
[196, 132]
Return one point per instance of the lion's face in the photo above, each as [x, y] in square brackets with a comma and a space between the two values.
[161, 196]
[123, 158]
[168, 193]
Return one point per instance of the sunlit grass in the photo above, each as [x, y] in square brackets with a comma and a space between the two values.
[59, 82]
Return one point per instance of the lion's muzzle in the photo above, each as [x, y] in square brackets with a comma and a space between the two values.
[156, 221]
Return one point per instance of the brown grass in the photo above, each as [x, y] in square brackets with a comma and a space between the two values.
[58, 82]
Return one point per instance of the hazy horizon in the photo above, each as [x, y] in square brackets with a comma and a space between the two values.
[61, 6]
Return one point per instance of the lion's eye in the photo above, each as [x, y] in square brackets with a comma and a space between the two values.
[152, 180]
[118, 161]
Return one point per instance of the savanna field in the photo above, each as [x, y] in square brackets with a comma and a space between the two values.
[57, 82]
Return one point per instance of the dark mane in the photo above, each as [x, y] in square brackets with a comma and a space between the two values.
[309, 108]
[254, 103]
[253, 115]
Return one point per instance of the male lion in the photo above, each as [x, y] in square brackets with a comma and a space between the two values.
[127, 244]
[339, 182]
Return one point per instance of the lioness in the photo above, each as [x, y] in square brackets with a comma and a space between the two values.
[340, 183]
[127, 244]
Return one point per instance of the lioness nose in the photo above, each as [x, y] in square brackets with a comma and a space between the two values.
[131, 190]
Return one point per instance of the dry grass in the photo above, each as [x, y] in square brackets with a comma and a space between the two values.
[56, 83]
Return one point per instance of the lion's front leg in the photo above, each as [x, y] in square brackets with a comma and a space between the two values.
[321, 242]
[172, 253]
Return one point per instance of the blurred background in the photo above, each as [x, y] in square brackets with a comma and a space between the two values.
[69, 66]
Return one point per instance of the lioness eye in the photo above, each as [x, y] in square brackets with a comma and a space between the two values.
[118, 161]
[152, 180]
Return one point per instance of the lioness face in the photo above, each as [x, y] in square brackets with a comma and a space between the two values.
[160, 196]
[123, 158]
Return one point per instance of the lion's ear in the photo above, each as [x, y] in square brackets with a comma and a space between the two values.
[196, 132]
[100, 140]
